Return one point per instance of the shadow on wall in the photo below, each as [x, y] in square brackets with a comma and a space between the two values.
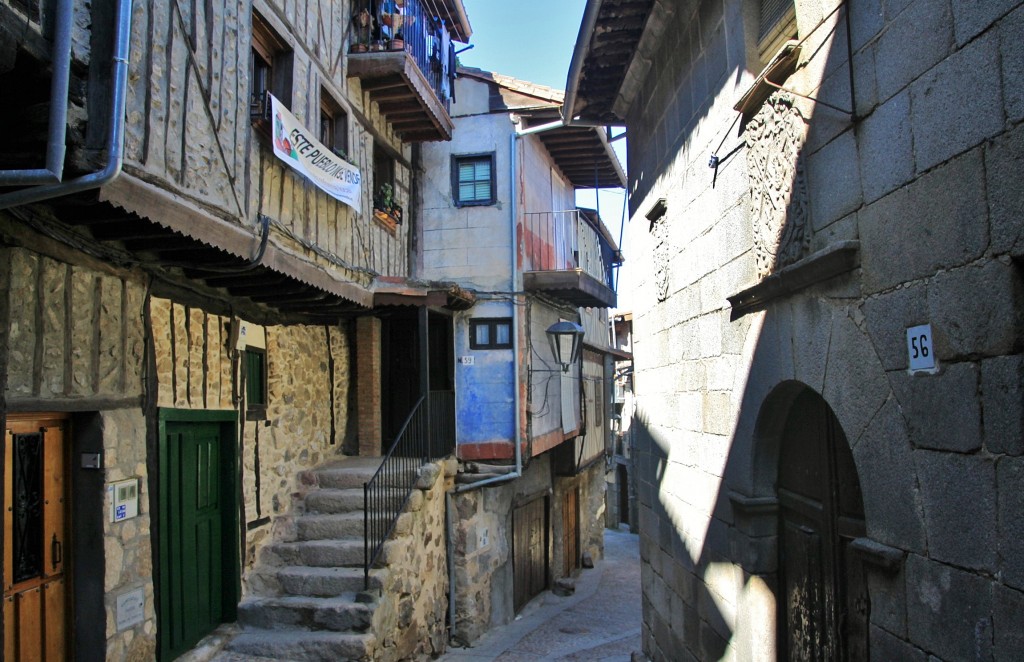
[719, 516]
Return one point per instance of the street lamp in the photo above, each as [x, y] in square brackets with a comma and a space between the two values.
[566, 339]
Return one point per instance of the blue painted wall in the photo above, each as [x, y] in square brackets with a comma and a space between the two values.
[485, 395]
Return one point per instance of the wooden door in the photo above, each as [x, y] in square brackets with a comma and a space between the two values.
[35, 537]
[529, 551]
[824, 601]
[196, 579]
[571, 531]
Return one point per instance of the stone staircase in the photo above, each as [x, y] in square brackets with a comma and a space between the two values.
[306, 595]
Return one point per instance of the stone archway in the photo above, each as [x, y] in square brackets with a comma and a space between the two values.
[823, 598]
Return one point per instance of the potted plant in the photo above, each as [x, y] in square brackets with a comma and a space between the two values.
[361, 22]
[385, 208]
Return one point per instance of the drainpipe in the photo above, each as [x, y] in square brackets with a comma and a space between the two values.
[60, 60]
[115, 135]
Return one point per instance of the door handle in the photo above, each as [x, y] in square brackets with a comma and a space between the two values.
[56, 552]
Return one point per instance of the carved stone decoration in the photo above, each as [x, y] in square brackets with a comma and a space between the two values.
[661, 258]
[778, 186]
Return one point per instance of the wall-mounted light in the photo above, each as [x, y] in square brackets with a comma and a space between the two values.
[566, 339]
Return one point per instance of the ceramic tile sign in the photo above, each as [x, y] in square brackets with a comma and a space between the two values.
[131, 609]
[920, 352]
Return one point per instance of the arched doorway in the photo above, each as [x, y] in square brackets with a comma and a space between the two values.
[823, 606]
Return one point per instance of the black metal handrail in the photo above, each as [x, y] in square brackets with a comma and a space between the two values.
[428, 433]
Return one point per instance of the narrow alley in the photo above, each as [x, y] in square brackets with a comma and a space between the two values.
[600, 622]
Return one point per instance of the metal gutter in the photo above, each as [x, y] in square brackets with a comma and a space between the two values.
[56, 139]
[115, 137]
[579, 55]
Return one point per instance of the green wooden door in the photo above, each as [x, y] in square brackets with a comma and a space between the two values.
[197, 577]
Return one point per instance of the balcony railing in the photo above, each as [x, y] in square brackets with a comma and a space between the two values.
[564, 242]
[384, 28]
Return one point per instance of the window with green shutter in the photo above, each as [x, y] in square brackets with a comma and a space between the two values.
[255, 362]
[473, 180]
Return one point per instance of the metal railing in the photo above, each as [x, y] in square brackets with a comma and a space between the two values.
[427, 434]
[562, 241]
[408, 26]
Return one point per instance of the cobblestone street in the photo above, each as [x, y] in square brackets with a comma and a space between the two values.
[599, 622]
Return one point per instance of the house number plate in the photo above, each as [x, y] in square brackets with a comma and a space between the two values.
[919, 348]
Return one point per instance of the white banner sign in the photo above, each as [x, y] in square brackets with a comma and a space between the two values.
[295, 145]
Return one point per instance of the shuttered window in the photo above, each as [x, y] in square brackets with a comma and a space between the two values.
[777, 25]
[255, 383]
[473, 180]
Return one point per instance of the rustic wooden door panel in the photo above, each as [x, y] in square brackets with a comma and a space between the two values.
[35, 525]
[529, 551]
[54, 631]
[571, 531]
[29, 608]
[9, 629]
[823, 610]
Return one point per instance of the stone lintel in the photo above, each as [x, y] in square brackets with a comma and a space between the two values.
[887, 558]
[831, 261]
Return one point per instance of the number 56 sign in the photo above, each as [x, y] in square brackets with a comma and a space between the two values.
[919, 348]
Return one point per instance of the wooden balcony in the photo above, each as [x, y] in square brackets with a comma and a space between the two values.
[403, 54]
[403, 94]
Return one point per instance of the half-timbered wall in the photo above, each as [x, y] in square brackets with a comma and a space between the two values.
[189, 130]
[73, 338]
[306, 365]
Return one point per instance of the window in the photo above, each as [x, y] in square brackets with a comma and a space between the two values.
[473, 180]
[255, 365]
[490, 333]
[333, 124]
[270, 70]
[777, 25]
[383, 167]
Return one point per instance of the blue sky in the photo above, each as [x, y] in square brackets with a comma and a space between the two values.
[533, 40]
[529, 39]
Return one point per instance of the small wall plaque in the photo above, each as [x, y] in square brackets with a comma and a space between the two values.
[919, 349]
[131, 609]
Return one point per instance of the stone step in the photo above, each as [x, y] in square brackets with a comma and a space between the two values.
[317, 553]
[349, 473]
[335, 527]
[341, 614]
[312, 581]
[332, 500]
[304, 646]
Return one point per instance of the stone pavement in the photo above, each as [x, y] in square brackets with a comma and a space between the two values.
[599, 622]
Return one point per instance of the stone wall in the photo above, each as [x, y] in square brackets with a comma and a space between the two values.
[411, 617]
[74, 342]
[483, 540]
[128, 553]
[921, 181]
[307, 400]
[74, 333]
